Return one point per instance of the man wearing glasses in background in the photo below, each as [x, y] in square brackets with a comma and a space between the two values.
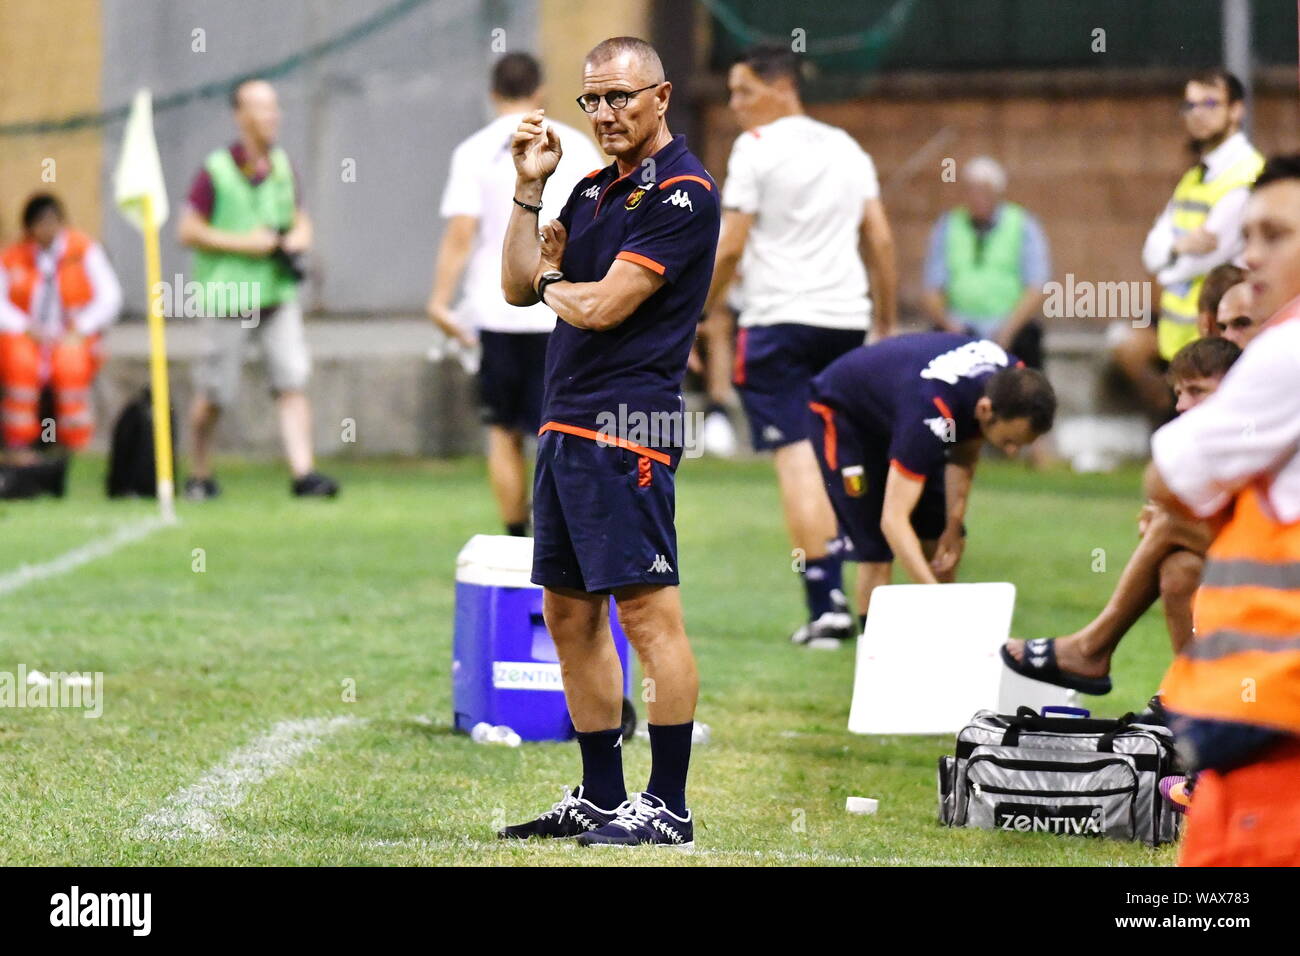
[626, 268]
[1200, 228]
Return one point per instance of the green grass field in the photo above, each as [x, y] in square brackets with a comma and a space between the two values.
[300, 600]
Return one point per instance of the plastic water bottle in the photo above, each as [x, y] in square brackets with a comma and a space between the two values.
[445, 347]
[504, 735]
[485, 733]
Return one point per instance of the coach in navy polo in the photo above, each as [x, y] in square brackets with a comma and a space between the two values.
[626, 268]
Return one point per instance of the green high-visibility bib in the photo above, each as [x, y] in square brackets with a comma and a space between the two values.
[984, 279]
[236, 284]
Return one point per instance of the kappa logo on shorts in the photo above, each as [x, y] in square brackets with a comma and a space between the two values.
[592, 192]
[660, 565]
[680, 199]
[772, 433]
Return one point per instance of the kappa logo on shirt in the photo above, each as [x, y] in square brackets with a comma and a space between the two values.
[592, 192]
[679, 199]
[944, 428]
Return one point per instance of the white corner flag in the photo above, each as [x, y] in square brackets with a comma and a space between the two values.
[139, 170]
[141, 196]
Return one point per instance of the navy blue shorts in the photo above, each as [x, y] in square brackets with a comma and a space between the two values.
[511, 379]
[855, 466]
[602, 516]
[774, 366]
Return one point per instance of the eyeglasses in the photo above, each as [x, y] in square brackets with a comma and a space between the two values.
[1189, 105]
[617, 99]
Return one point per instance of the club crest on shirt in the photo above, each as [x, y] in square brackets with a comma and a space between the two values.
[634, 197]
[855, 482]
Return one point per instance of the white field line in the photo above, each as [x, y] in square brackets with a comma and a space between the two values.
[191, 812]
[26, 574]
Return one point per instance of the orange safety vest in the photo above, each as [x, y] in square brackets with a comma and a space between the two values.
[75, 289]
[1243, 665]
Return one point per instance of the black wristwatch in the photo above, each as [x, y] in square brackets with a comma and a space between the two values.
[547, 277]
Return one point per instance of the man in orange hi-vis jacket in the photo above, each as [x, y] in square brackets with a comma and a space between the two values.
[57, 293]
[1233, 693]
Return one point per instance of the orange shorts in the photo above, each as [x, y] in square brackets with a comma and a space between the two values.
[1249, 816]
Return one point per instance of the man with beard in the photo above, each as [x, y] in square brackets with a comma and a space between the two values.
[1199, 229]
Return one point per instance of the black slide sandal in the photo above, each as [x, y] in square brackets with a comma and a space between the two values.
[1040, 664]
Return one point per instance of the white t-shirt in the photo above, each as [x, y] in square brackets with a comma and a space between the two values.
[481, 184]
[806, 183]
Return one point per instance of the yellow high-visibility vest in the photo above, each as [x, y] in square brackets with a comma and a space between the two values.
[1192, 202]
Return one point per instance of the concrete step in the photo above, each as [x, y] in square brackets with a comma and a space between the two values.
[374, 391]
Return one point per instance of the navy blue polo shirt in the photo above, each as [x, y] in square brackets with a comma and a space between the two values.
[907, 389]
[665, 217]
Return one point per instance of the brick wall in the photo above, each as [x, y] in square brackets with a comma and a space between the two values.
[49, 68]
[1096, 169]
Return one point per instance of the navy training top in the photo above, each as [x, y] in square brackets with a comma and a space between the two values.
[663, 215]
[918, 392]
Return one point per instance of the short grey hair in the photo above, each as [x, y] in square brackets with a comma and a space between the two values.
[640, 50]
[986, 171]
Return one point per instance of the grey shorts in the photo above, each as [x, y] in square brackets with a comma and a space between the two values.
[279, 333]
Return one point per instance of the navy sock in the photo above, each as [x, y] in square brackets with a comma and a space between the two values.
[517, 529]
[670, 756]
[602, 767]
[821, 576]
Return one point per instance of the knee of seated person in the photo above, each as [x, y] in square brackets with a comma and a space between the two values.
[72, 366]
[1161, 527]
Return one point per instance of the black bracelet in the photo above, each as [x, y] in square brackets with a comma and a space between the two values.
[536, 210]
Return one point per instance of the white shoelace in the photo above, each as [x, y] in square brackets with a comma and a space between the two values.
[562, 807]
[635, 813]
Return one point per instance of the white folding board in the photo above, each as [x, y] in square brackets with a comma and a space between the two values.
[929, 658]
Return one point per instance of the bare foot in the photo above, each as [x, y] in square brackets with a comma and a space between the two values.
[1071, 656]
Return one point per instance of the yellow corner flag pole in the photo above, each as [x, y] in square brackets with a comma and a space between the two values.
[162, 419]
[141, 196]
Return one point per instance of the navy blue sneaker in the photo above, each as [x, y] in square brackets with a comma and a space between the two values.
[572, 816]
[644, 821]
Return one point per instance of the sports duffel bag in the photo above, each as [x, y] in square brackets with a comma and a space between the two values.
[1067, 775]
